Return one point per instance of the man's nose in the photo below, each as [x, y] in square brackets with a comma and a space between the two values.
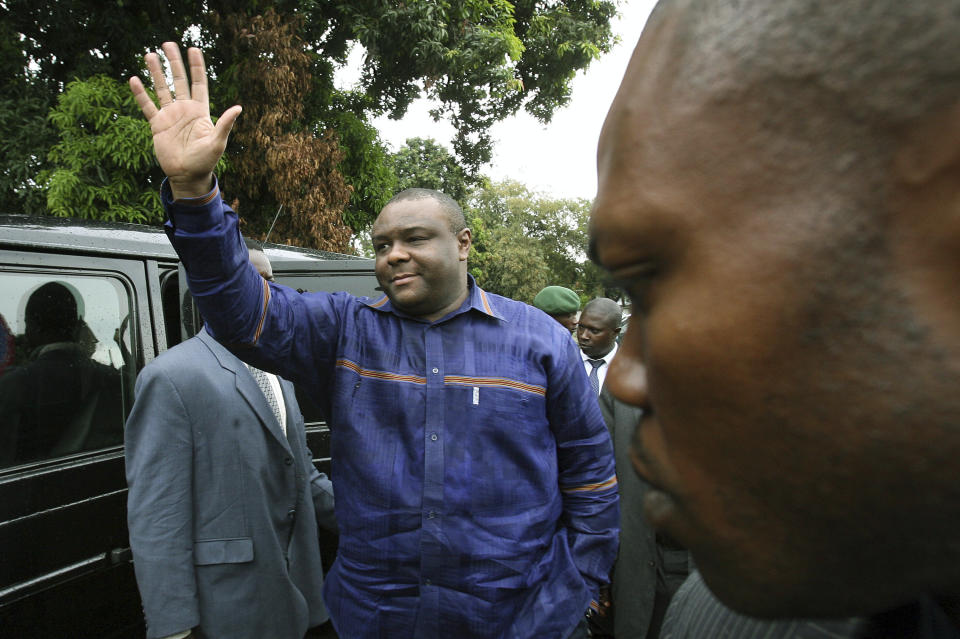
[397, 254]
[627, 376]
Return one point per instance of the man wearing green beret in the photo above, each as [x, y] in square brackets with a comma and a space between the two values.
[560, 303]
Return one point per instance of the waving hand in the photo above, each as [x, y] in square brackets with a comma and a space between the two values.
[185, 139]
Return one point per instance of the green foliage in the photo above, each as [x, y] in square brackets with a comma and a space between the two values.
[423, 163]
[524, 241]
[103, 166]
[481, 60]
[366, 166]
[68, 39]
[27, 132]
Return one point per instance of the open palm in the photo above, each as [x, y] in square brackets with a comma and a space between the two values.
[186, 141]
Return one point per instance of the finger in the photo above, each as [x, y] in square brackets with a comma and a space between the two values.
[198, 76]
[221, 129]
[180, 87]
[159, 79]
[147, 106]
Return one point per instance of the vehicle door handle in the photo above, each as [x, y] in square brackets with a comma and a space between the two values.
[120, 556]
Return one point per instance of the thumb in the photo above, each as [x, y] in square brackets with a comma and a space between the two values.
[225, 122]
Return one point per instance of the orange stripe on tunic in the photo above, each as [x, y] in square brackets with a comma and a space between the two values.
[592, 487]
[393, 377]
[501, 382]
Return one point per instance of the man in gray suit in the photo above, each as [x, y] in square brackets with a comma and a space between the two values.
[649, 567]
[224, 498]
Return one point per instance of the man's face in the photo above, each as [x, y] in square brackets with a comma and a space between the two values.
[779, 413]
[596, 334]
[420, 261]
[567, 320]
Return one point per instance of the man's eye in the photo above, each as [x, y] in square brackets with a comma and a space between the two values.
[635, 281]
[379, 248]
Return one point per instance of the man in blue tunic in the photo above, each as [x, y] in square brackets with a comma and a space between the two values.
[476, 492]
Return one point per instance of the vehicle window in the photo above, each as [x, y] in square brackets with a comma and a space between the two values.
[170, 297]
[67, 385]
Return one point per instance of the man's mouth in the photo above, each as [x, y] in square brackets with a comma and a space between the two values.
[402, 278]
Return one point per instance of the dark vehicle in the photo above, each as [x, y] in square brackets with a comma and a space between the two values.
[83, 307]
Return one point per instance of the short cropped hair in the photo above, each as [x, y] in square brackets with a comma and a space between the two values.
[606, 308]
[886, 60]
[836, 80]
[447, 204]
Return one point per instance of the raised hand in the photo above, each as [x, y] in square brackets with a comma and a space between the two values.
[185, 139]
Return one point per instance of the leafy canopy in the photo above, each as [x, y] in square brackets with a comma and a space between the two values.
[524, 241]
[481, 60]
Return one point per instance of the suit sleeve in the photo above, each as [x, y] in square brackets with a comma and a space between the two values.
[321, 489]
[587, 473]
[159, 468]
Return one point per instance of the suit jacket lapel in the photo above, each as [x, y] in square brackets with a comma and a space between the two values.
[247, 388]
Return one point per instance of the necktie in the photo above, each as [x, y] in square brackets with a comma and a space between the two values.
[267, 389]
[594, 375]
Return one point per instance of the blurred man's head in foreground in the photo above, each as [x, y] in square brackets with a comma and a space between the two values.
[779, 193]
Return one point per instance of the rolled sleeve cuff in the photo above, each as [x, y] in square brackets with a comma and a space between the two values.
[190, 214]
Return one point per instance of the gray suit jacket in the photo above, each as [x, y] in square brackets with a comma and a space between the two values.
[223, 508]
[640, 561]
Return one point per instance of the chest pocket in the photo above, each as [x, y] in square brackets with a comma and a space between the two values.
[509, 449]
[223, 551]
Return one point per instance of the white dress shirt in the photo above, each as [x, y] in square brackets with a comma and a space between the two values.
[602, 371]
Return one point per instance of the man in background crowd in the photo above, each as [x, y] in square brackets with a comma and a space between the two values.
[560, 303]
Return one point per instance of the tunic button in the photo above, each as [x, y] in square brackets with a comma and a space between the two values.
[427, 582]
[433, 437]
[287, 461]
[291, 513]
[431, 514]
[436, 370]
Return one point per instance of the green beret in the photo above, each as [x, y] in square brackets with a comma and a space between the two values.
[557, 300]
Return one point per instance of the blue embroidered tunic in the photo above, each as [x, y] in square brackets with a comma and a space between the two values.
[475, 486]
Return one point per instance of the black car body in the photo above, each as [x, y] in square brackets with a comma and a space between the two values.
[65, 562]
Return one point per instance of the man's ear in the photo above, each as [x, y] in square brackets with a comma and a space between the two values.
[464, 239]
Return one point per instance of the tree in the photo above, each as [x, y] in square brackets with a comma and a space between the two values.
[424, 163]
[103, 165]
[366, 166]
[527, 241]
[482, 60]
[46, 44]
[506, 261]
[277, 159]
